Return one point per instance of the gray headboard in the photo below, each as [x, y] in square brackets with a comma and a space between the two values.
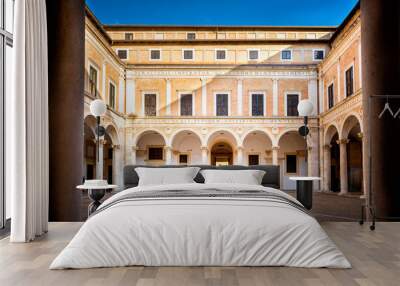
[270, 179]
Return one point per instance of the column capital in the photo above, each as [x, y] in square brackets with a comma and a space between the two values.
[117, 146]
[275, 148]
[204, 148]
[241, 148]
[167, 79]
[103, 141]
[342, 141]
[327, 146]
[167, 148]
[135, 148]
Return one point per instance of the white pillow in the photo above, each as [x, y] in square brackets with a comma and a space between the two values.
[249, 177]
[166, 176]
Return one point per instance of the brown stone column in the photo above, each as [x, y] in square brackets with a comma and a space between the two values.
[380, 35]
[66, 39]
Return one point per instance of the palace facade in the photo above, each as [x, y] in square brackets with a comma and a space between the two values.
[227, 95]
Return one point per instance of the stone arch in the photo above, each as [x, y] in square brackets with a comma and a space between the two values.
[330, 131]
[139, 135]
[257, 147]
[179, 131]
[186, 147]
[112, 131]
[265, 132]
[349, 123]
[286, 131]
[227, 136]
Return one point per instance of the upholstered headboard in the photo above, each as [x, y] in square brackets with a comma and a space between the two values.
[270, 179]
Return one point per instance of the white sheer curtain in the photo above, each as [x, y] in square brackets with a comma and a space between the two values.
[27, 124]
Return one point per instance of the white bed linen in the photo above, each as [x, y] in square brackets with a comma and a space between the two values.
[193, 231]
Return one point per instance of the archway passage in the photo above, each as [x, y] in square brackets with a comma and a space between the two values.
[354, 160]
[257, 147]
[335, 164]
[186, 147]
[89, 148]
[151, 149]
[221, 154]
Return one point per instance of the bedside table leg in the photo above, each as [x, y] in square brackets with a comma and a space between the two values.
[95, 196]
[304, 193]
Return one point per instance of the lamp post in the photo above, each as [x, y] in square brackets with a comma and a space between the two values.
[98, 108]
[305, 109]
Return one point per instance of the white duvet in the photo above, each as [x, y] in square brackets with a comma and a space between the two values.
[200, 231]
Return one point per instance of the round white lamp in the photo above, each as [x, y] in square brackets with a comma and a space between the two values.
[98, 108]
[305, 107]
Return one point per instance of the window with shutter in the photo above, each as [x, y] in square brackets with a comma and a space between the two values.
[220, 54]
[129, 36]
[93, 81]
[150, 104]
[330, 96]
[112, 96]
[286, 55]
[222, 104]
[253, 55]
[122, 54]
[257, 104]
[191, 36]
[188, 54]
[292, 100]
[349, 82]
[155, 54]
[187, 104]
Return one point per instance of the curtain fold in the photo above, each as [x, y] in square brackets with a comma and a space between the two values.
[27, 120]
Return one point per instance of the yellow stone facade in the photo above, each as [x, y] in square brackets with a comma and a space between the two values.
[204, 136]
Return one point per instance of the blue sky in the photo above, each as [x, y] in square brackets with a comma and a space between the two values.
[222, 12]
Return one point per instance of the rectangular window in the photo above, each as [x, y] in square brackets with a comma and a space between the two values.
[191, 36]
[155, 153]
[122, 54]
[254, 160]
[128, 36]
[150, 104]
[222, 104]
[318, 55]
[111, 97]
[93, 81]
[220, 54]
[291, 164]
[330, 96]
[188, 54]
[286, 55]
[155, 54]
[292, 100]
[183, 159]
[186, 104]
[349, 82]
[257, 104]
[253, 55]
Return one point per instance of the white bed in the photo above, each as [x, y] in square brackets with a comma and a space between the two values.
[202, 231]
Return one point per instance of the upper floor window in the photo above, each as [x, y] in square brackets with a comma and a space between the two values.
[155, 55]
[188, 54]
[186, 104]
[222, 104]
[191, 36]
[129, 36]
[150, 104]
[349, 81]
[292, 100]
[257, 104]
[220, 54]
[111, 96]
[286, 55]
[330, 96]
[318, 55]
[93, 81]
[122, 54]
[253, 54]
[254, 159]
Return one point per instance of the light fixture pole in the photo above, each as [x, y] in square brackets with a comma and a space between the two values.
[98, 108]
[305, 109]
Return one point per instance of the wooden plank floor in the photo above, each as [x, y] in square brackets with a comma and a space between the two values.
[375, 257]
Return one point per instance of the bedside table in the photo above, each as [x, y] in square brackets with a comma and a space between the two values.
[304, 190]
[95, 194]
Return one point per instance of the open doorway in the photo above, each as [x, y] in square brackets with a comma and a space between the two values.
[221, 154]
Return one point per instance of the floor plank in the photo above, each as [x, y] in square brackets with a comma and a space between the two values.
[375, 256]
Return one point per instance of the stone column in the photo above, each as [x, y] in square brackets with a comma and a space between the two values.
[275, 154]
[239, 155]
[381, 72]
[100, 160]
[327, 167]
[204, 155]
[168, 97]
[204, 96]
[168, 155]
[343, 166]
[132, 160]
